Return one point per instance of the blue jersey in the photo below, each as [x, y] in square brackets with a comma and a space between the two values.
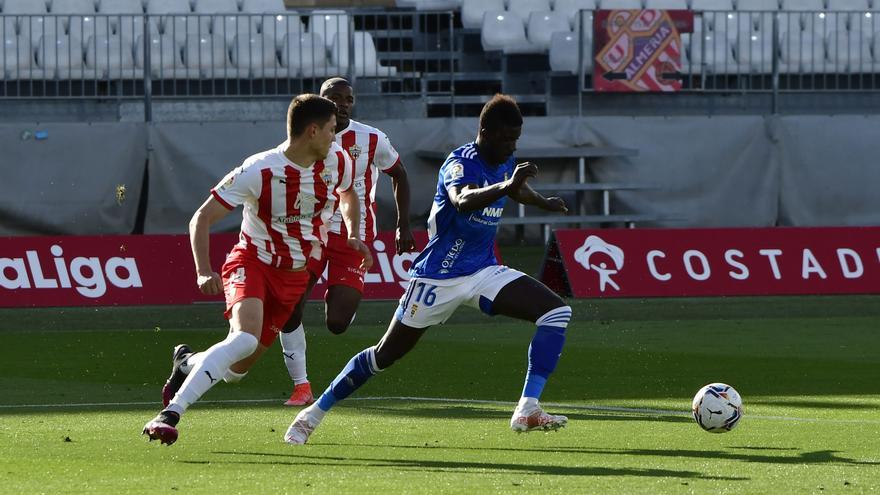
[460, 244]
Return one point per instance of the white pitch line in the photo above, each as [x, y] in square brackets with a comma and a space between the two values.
[578, 407]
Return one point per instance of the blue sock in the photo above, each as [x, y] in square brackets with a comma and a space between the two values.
[545, 349]
[358, 370]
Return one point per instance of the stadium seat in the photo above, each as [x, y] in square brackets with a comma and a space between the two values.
[754, 52]
[802, 52]
[35, 7]
[254, 56]
[275, 27]
[850, 52]
[111, 57]
[875, 45]
[542, 25]
[866, 22]
[131, 27]
[18, 58]
[366, 62]
[84, 27]
[666, 4]
[175, 23]
[505, 31]
[760, 11]
[718, 54]
[120, 7]
[33, 27]
[727, 24]
[263, 7]
[564, 53]
[165, 57]
[571, 8]
[206, 57]
[81, 7]
[305, 54]
[423, 5]
[524, 7]
[327, 23]
[60, 57]
[230, 26]
[472, 11]
[716, 5]
[620, 4]
[216, 7]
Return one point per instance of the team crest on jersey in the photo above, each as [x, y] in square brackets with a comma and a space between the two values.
[304, 200]
[355, 151]
[226, 185]
[327, 176]
[457, 171]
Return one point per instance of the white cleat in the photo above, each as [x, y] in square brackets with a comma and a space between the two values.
[525, 420]
[299, 431]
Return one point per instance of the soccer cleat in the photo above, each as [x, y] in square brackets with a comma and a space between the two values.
[162, 427]
[302, 427]
[181, 353]
[301, 396]
[525, 420]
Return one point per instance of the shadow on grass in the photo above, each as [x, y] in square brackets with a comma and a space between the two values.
[815, 457]
[463, 467]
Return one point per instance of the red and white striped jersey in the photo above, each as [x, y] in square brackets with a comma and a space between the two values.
[371, 152]
[287, 208]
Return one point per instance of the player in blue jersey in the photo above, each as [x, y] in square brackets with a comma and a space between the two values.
[458, 266]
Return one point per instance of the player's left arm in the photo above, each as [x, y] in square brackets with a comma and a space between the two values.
[528, 196]
[400, 183]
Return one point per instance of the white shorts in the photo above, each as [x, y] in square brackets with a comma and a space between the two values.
[428, 302]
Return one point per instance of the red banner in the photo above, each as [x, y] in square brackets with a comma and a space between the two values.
[714, 262]
[146, 269]
[639, 50]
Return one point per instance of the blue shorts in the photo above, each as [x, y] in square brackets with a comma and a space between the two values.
[428, 301]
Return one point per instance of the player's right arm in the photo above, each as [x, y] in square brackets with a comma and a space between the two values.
[466, 195]
[208, 214]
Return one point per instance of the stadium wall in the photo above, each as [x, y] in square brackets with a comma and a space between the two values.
[727, 171]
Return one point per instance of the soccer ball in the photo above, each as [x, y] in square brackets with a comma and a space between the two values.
[717, 408]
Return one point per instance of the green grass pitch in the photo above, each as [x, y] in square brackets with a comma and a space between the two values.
[78, 385]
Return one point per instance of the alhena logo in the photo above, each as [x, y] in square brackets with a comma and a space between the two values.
[595, 245]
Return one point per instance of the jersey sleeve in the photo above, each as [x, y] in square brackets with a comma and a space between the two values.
[386, 156]
[346, 165]
[461, 171]
[238, 186]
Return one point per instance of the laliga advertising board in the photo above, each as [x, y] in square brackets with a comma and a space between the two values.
[147, 269]
[714, 262]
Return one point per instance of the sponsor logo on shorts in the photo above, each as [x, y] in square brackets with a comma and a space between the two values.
[412, 311]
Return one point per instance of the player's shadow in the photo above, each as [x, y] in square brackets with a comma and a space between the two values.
[463, 467]
[816, 457]
[446, 411]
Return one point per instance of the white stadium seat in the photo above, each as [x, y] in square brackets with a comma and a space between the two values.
[433, 4]
[60, 57]
[24, 7]
[121, 7]
[719, 5]
[84, 27]
[730, 25]
[542, 25]
[18, 58]
[564, 53]
[802, 52]
[850, 52]
[33, 27]
[718, 57]
[876, 49]
[757, 5]
[571, 8]
[82, 7]
[666, 4]
[168, 6]
[306, 54]
[524, 7]
[216, 7]
[230, 26]
[206, 57]
[275, 27]
[165, 57]
[255, 56]
[365, 59]
[754, 52]
[131, 27]
[327, 23]
[472, 11]
[111, 57]
[263, 6]
[620, 4]
[504, 31]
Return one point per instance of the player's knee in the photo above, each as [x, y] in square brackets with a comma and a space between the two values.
[556, 317]
[337, 325]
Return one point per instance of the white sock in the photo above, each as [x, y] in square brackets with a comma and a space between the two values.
[526, 403]
[293, 345]
[316, 414]
[233, 377]
[212, 367]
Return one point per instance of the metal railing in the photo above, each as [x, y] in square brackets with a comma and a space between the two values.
[228, 55]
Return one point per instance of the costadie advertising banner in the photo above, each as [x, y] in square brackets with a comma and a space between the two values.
[715, 262]
[145, 269]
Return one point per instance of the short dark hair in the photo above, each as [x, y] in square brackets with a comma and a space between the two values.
[333, 81]
[307, 109]
[500, 111]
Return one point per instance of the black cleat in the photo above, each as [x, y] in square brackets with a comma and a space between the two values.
[181, 353]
